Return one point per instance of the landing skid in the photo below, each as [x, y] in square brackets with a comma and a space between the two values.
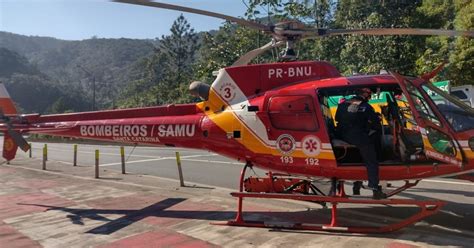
[426, 208]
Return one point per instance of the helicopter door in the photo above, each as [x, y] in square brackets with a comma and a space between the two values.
[438, 143]
[294, 128]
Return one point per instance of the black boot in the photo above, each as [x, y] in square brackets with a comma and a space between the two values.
[378, 194]
[356, 187]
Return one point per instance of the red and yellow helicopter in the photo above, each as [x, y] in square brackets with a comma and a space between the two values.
[278, 117]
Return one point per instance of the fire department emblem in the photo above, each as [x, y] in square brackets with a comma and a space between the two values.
[311, 146]
[286, 144]
[8, 144]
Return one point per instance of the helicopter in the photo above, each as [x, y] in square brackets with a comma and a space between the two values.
[280, 117]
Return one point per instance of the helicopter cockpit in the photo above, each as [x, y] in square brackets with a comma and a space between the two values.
[405, 137]
[398, 140]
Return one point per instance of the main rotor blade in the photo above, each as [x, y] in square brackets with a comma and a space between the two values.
[197, 11]
[387, 31]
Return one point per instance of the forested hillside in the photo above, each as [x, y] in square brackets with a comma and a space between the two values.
[131, 73]
[68, 69]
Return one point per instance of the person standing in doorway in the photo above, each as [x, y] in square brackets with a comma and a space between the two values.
[356, 121]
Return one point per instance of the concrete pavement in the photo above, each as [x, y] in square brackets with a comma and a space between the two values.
[65, 207]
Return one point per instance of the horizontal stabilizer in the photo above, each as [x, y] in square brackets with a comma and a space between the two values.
[19, 140]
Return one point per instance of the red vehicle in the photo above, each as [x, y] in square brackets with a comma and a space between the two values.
[276, 116]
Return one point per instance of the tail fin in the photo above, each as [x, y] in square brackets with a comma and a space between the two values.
[6, 103]
[11, 138]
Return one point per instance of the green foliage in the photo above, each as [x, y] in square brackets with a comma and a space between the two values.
[33, 93]
[110, 61]
[462, 59]
[167, 73]
[31, 89]
[51, 75]
[408, 55]
[225, 46]
[370, 54]
[60, 106]
[317, 13]
[11, 62]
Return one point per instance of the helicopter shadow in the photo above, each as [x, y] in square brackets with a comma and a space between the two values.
[129, 216]
[160, 209]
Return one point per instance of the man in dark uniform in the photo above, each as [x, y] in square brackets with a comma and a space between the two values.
[356, 121]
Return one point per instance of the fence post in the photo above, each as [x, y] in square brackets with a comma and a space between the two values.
[45, 152]
[178, 162]
[96, 163]
[75, 155]
[122, 156]
[30, 151]
[45, 156]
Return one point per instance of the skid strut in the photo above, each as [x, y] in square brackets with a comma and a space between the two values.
[427, 208]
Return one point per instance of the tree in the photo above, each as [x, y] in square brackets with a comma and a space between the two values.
[60, 106]
[316, 13]
[370, 54]
[12, 62]
[224, 47]
[180, 46]
[437, 14]
[462, 59]
[165, 75]
[175, 56]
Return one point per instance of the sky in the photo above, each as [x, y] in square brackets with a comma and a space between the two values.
[83, 19]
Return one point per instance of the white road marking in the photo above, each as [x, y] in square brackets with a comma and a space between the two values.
[215, 161]
[183, 158]
[103, 153]
[133, 162]
[118, 153]
[447, 182]
[154, 159]
[152, 148]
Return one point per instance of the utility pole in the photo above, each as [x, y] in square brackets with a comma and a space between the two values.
[93, 84]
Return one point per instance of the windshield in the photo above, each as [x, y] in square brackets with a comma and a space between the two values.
[421, 105]
[458, 114]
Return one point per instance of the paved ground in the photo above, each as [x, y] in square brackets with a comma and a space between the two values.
[65, 207]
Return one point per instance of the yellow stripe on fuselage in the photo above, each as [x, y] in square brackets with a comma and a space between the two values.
[225, 118]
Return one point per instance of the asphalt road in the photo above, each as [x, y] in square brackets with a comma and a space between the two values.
[198, 166]
[201, 167]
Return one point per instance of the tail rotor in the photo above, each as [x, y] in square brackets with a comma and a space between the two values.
[12, 138]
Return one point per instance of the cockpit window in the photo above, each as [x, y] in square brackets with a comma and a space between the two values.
[459, 115]
[421, 105]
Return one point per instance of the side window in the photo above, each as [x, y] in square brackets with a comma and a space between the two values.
[458, 115]
[292, 113]
[440, 141]
[421, 105]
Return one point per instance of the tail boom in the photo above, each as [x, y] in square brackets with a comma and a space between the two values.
[173, 125]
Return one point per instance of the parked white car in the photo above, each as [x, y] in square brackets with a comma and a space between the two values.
[465, 93]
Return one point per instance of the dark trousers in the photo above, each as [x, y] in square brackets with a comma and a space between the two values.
[367, 151]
